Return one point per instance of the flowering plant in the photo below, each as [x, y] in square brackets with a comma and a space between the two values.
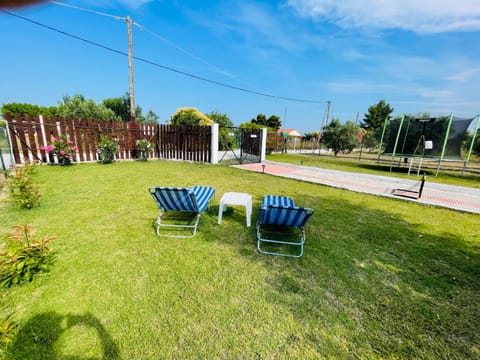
[145, 147]
[107, 148]
[62, 148]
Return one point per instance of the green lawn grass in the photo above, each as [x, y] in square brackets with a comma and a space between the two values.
[380, 278]
[368, 165]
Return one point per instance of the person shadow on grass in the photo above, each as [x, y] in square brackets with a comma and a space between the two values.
[42, 337]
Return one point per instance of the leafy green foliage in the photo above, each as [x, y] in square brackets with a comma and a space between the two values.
[340, 137]
[221, 119]
[22, 256]
[22, 188]
[377, 114]
[24, 108]
[273, 122]
[149, 118]
[250, 125]
[190, 116]
[144, 147]
[77, 106]
[121, 107]
[62, 147]
[107, 148]
[370, 139]
[8, 330]
[225, 140]
[311, 136]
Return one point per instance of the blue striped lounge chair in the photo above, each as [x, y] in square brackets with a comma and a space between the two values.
[194, 199]
[280, 212]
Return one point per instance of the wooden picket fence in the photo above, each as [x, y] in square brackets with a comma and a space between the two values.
[29, 135]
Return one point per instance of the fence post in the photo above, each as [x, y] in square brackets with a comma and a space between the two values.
[264, 145]
[214, 144]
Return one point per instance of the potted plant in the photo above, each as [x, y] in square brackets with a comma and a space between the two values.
[144, 148]
[106, 149]
[62, 148]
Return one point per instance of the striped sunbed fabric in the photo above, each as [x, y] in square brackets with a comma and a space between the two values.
[281, 210]
[193, 199]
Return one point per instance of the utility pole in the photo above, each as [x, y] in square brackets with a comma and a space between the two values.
[130, 68]
[325, 121]
[327, 113]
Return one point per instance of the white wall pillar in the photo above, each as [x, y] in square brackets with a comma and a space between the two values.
[214, 144]
[264, 145]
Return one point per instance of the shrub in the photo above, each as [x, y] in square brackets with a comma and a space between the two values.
[144, 147]
[22, 189]
[190, 116]
[8, 330]
[22, 256]
[107, 148]
[63, 148]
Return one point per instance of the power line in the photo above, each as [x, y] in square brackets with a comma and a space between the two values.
[105, 47]
[87, 10]
[152, 33]
[159, 37]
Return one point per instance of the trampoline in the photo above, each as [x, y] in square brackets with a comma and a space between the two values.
[435, 138]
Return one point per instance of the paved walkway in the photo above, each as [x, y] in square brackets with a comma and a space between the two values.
[449, 196]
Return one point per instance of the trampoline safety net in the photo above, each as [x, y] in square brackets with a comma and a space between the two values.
[427, 137]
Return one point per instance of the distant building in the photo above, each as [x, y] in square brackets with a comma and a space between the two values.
[290, 132]
[292, 136]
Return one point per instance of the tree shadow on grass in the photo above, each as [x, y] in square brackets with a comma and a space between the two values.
[40, 338]
[371, 284]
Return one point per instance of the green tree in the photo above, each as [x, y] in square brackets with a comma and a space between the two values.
[310, 136]
[121, 107]
[221, 119]
[261, 119]
[151, 117]
[190, 116]
[340, 137]
[370, 140]
[377, 114]
[30, 109]
[77, 106]
[251, 125]
[273, 122]
[225, 141]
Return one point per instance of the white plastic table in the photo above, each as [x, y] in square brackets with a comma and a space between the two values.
[236, 198]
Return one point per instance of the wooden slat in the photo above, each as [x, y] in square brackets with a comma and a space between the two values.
[71, 136]
[21, 137]
[78, 139]
[31, 142]
[13, 136]
[190, 143]
[41, 143]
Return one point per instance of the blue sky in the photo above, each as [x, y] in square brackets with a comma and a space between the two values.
[420, 56]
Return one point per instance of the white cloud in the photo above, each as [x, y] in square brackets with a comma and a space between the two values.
[465, 75]
[426, 16]
[134, 4]
[257, 24]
